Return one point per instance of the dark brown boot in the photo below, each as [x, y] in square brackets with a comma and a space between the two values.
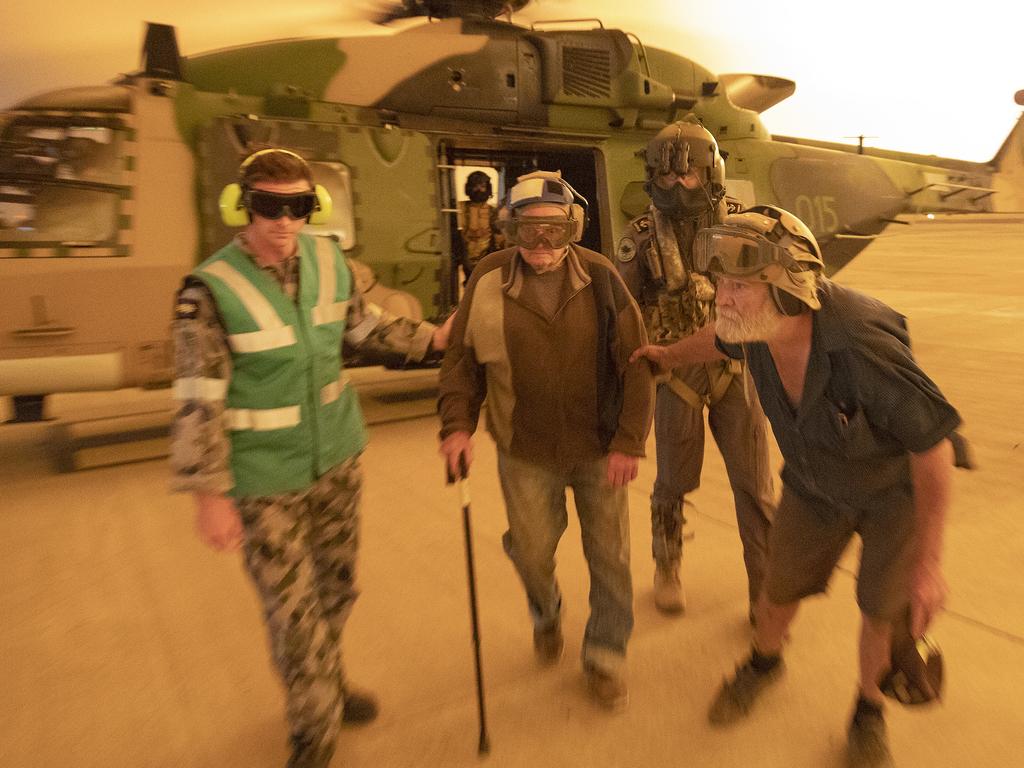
[548, 643]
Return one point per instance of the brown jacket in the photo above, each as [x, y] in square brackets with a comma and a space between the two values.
[558, 390]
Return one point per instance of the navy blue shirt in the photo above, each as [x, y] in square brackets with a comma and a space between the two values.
[866, 404]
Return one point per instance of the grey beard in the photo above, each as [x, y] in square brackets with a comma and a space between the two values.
[760, 325]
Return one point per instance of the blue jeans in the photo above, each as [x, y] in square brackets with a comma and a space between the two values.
[535, 503]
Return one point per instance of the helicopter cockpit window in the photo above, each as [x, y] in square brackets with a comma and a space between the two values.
[337, 180]
[60, 183]
[62, 152]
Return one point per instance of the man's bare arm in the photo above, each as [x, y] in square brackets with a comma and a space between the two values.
[931, 472]
[698, 348]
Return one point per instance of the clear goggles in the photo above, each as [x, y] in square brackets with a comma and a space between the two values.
[530, 231]
[270, 205]
[727, 251]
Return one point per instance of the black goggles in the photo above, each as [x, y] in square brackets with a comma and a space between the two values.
[531, 231]
[271, 205]
[725, 250]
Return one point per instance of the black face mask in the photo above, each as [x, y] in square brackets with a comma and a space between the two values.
[479, 194]
[678, 201]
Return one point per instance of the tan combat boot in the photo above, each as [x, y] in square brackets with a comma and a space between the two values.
[668, 590]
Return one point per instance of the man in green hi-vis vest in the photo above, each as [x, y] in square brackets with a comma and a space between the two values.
[268, 434]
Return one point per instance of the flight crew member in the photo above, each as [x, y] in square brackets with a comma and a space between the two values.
[544, 331]
[686, 182]
[866, 438]
[478, 222]
[268, 434]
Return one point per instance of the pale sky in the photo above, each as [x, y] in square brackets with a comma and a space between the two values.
[931, 77]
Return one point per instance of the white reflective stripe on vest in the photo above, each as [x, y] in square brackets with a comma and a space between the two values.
[334, 312]
[262, 419]
[199, 388]
[371, 319]
[327, 310]
[260, 341]
[273, 333]
[333, 391]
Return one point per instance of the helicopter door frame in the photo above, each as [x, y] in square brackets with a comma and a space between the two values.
[448, 277]
[583, 166]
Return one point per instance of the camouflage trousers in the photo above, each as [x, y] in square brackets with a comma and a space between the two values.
[300, 551]
[741, 432]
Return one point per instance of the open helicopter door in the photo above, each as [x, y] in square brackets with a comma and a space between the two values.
[464, 229]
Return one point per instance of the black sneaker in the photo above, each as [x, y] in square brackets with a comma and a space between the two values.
[737, 696]
[359, 708]
[548, 643]
[868, 743]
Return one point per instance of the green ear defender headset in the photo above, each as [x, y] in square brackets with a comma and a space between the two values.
[232, 198]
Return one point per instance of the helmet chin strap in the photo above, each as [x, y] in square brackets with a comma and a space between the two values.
[704, 189]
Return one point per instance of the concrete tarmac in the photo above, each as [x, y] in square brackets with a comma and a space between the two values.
[125, 642]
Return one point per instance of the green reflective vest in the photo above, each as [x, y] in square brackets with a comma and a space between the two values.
[289, 412]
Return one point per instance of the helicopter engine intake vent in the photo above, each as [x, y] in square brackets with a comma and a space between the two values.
[586, 72]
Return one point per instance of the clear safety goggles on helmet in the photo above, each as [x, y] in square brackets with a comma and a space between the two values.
[725, 250]
[271, 205]
[531, 231]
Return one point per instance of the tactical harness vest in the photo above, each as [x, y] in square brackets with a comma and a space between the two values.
[476, 222]
[675, 301]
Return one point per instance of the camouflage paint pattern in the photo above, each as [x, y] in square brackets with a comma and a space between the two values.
[387, 109]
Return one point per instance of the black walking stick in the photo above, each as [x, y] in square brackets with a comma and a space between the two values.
[484, 746]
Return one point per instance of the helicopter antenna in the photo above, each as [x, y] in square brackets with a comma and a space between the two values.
[860, 141]
[160, 57]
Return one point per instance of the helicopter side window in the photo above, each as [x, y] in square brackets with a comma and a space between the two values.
[84, 153]
[337, 180]
[60, 183]
[69, 216]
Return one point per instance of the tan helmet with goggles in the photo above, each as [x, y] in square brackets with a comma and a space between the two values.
[765, 244]
[545, 188]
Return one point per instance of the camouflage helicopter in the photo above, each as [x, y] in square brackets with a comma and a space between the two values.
[108, 194]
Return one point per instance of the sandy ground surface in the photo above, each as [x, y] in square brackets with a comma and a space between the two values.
[126, 643]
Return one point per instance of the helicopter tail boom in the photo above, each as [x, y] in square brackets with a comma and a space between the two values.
[1008, 179]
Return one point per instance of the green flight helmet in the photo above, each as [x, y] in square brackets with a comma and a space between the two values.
[677, 148]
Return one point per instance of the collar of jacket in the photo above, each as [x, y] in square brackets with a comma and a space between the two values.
[579, 278]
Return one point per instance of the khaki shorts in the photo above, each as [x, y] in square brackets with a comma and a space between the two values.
[808, 538]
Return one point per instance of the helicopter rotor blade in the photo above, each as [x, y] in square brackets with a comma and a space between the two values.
[445, 9]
